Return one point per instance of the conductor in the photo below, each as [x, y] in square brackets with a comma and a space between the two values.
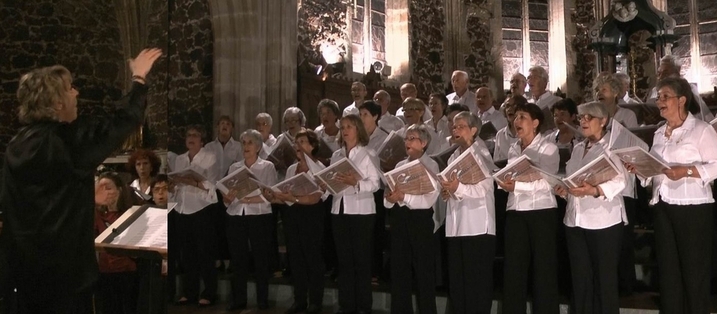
[48, 186]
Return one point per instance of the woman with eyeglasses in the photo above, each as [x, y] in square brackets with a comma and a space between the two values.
[412, 243]
[683, 200]
[470, 226]
[594, 219]
[353, 213]
[249, 221]
[294, 121]
[304, 229]
[413, 113]
[530, 223]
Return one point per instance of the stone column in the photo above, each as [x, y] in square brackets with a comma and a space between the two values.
[427, 53]
[583, 17]
[255, 59]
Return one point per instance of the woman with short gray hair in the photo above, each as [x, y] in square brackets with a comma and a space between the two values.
[249, 220]
[470, 226]
[608, 91]
[263, 123]
[412, 243]
[294, 121]
[594, 219]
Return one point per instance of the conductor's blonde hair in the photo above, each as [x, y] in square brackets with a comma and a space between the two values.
[39, 90]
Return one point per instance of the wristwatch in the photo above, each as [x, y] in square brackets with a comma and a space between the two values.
[689, 172]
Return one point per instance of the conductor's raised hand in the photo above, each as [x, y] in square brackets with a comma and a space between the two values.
[141, 65]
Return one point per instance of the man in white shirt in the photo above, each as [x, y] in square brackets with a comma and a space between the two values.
[387, 121]
[538, 82]
[224, 147]
[518, 82]
[358, 93]
[670, 67]
[624, 97]
[461, 94]
[486, 110]
[409, 90]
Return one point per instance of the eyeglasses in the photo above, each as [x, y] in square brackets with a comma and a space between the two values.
[258, 124]
[585, 117]
[412, 109]
[290, 121]
[459, 126]
[664, 98]
[411, 138]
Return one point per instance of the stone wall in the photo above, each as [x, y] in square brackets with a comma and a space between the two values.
[321, 21]
[80, 34]
[156, 126]
[583, 17]
[426, 27]
[190, 53]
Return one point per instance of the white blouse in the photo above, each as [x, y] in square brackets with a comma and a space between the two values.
[441, 127]
[435, 146]
[537, 194]
[425, 201]
[191, 199]
[473, 213]
[270, 141]
[504, 139]
[135, 185]
[226, 155]
[694, 143]
[331, 140]
[376, 139]
[390, 122]
[266, 174]
[358, 201]
[590, 212]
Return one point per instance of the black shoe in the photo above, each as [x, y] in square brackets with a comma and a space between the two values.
[296, 308]
[263, 305]
[235, 307]
[312, 309]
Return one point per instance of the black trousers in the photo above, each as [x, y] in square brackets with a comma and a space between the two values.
[48, 300]
[173, 254]
[118, 293]
[380, 235]
[412, 253]
[626, 265]
[243, 232]
[197, 254]
[683, 235]
[329, 247]
[531, 236]
[470, 271]
[593, 262]
[353, 237]
[304, 232]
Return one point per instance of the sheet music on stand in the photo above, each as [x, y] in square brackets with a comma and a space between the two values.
[646, 164]
[391, 151]
[466, 168]
[622, 137]
[328, 175]
[598, 171]
[411, 178]
[140, 231]
[241, 180]
[487, 131]
[282, 154]
[520, 170]
[192, 172]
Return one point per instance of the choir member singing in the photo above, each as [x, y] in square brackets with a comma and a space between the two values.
[144, 165]
[594, 220]
[470, 227]
[304, 229]
[412, 242]
[249, 222]
[530, 223]
[683, 200]
[353, 214]
[438, 104]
